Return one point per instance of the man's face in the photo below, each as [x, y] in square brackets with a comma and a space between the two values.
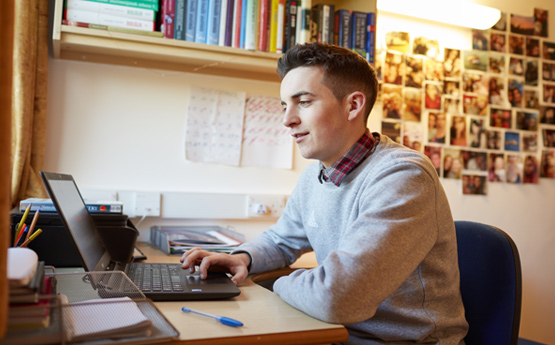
[316, 119]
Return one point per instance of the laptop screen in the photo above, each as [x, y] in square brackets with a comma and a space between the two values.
[76, 217]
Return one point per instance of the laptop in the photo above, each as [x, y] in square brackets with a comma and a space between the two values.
[175, 283]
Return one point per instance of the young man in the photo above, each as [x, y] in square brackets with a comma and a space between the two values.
[373, 211]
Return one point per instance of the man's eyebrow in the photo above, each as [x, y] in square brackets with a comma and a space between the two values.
[297, 95]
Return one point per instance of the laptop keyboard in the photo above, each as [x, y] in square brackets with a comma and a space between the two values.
[156, 277]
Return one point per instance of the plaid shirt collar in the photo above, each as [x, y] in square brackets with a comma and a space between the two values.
[352, 159]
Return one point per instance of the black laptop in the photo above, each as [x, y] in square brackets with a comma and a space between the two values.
[166, 282]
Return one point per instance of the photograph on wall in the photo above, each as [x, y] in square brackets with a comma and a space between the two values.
[530, 142]
[412, 135]
[397, 41]
[452, 105]
[412, 99]
[496, 64]
[452, 88]
[475, 60]
[498, 42]
[452, 63]
[548, 50]
[476, 133]
[516, 66]
[452, 163]
[513, 169]
[475, 83]
[547, 115]
[437, 127]
[523, 25]
[548, 137]
[526, 121]
[480, 39]
[433, 70]
[425, 46]
[434, 153]
[475, 160]
[475, 105]
[531, 73]
[531, 99]
[392, 101]
[514, 92]
[516, 44]
[549, 93]
[532, 47]
[501, 24]
[432, 96]
[473, 184]
[547, 165]
[512, 141]
[494, 139]
[548, 71]
[501, 118]
[393, 69]
[541, 20]
[531, 170]
[457, 131]
[414, 75]
[497, 92]
[392, 130]
[496, 167]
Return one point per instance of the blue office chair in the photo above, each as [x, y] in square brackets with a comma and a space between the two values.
[491, 283]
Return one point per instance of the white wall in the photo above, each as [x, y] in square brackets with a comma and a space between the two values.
[119, 128]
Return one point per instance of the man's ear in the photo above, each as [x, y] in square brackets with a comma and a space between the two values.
[356, 103]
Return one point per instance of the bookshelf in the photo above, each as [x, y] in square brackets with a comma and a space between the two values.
[91, 45]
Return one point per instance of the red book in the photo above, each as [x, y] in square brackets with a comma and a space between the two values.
[263, 25]
[237, 24]
[168, 17]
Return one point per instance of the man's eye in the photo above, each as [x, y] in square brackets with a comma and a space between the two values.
[304, 103]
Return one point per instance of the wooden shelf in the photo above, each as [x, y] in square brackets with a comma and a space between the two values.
[101, 46]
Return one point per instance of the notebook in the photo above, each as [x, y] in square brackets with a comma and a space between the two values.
[95, 257]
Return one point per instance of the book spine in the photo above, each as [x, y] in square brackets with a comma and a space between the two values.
[214, 12]
[331, 23]
[92, 207]
[113, 28]
[371, 38]
[229, 23]
[290, 24]
[317, 23]
[280, 26]
[146, 4]
[236, 39]
[359, 32]
[108, 20]
[179, 27]
[244, 10]
[191, 20]
[344, 27]
[273, 25]
[263, 25]
[113, 10]
[325, 24]
[168, 18]
[202, 22]
[306, 21]
[251, 25]
[223, 23]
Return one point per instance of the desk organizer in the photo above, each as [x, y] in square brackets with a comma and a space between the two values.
[55, 320]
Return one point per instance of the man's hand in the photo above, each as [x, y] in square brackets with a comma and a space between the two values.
[236, 264]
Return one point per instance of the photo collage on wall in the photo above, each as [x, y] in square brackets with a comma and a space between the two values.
[485, 115]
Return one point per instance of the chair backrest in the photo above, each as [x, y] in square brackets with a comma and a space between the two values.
[491, 283]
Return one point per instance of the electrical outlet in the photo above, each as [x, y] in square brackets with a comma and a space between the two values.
[259, 205]
[147, 204]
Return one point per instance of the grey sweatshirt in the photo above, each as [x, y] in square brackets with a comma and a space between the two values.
[386, 250]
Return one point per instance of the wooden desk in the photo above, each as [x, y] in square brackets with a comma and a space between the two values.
[266, 317]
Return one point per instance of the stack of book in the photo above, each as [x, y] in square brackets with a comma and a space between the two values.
[133, 16]
[94, 206]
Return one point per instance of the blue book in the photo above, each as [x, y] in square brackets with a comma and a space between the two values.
[201, 32]
[179, 27]
[214, 13]
[229, 23]
[358, 33]
[343, 27]
[371, 37]
[191, 20]
[244, 9]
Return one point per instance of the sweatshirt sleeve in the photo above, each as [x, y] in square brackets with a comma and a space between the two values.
[395, 228]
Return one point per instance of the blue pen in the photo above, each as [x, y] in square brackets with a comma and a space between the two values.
[225, 320]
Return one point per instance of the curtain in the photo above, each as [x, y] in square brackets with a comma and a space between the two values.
[30, 59]
[6, 42]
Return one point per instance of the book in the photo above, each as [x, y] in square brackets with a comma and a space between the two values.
[342, 28]
[236, 28]
[223, 23]
[113, 28]
[358, 32]
[317, 24]
[94, 206]
[214, 13]
[34, 315]
[191, 20]
[325, 27]
[280, 26]
[229, 23]
[243, 30]
[146, 4]
[371, 38]
[168, 17]
[251, 27]
[290, 35]
[330, 17]
[179, 26]
[273, 23]
[114, 10]
[263, 25]
[306, 21]
[201, 31]
[108, 20]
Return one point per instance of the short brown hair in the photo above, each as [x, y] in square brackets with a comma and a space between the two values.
[345, 71]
